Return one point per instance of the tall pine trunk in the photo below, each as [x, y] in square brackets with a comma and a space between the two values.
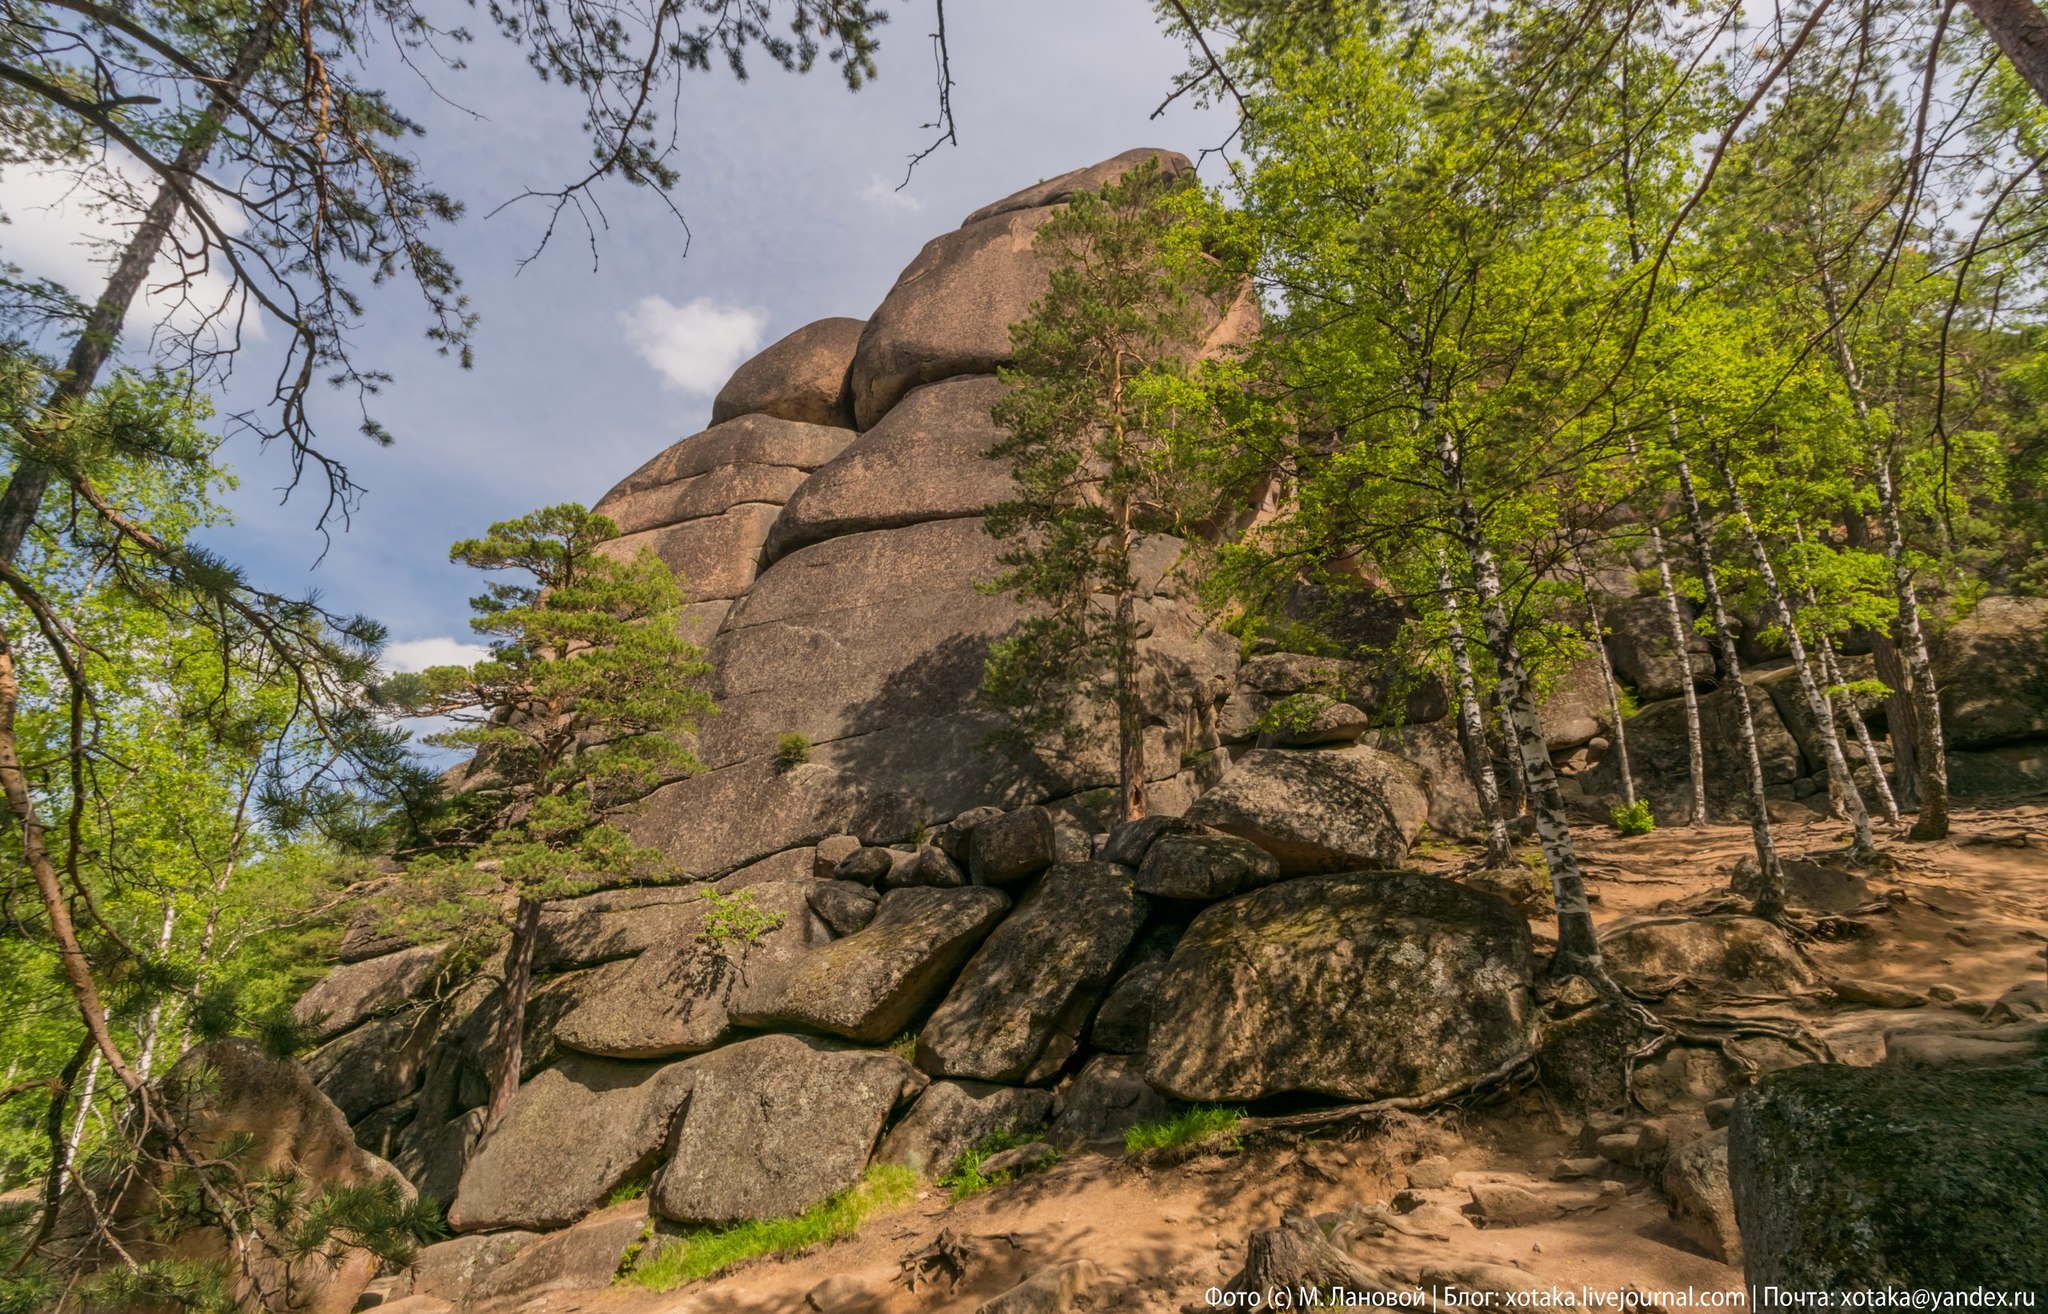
[89, 354]
[1612, 686]
[1931, 777]
[1817, 704]
[510, 1042]
[1578, 949]
[1770, 896]
[1500, 851]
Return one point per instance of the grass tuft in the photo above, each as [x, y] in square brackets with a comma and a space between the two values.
[702, 1254]
[966, 1179]
[1635, 819]
[1208, 1125]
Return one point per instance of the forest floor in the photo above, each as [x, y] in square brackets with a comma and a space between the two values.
[1955, 923]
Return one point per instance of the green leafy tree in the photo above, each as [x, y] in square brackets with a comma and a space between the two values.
[1103, 396]
[576, 714]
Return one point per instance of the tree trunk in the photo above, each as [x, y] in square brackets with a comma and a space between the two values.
[1932, 823]
[1831, 671]
[511, 1038]
[1681, 650]
[1578, 949]
[24, 495]
[1500, 851]
[1613, 688]
[1931, 778]
[1770, 896]
[2020, 31]
[1862, 846]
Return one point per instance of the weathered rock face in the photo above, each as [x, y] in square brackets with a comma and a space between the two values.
[1657, 754]
[573, 1134]
[1992, 671]
[1327, 810]
[871, 985]
[1204, 865]
[231, 1090]
[925, 460]
[1104, 1100]
[776, 1124]
[802, 377]
[1737, 955]
[672, 999]
[1639, 644]
[952, 1116]
[354, 992]
[1092, 178]
[1433, 748]
[1017, 1011]
[1360, 987]
[1894, 1177]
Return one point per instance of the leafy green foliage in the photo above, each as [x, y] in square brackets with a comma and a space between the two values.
[792, 750]
[1635, 818]
[733, 918]
[704, 1254]
[966, 1178]
[1207, 1125]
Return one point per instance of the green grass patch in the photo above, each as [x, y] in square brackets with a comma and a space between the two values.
[1635, 819]
[967, 1179]
[1207, 1125]
[702, 1254]
[904, 1047]
[625, 1191]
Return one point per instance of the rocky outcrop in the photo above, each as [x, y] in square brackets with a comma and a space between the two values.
[1361, 987]
[229, 1097]
[1992, 671]
[926, 460]
[1728, 954]
[1204, 865]
[1859, 1179]
[800, 377]
[672, 998]
[871, 985]
[951, 1117]
[1321, 811]
[355, 992]
[1091, 178]
[1658, 755]
[775, 1125]
[1017, 1012]
[1104, 1100]
[574, 1134]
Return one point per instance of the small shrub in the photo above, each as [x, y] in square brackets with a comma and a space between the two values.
[733, 917]
[702, 1254]
[1635, 819]
[904, 1047]
[966, 1179]
[1627, 698]
[1207, 1125]
[792, 750]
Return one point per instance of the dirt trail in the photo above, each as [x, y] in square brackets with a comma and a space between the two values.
[1959, 922]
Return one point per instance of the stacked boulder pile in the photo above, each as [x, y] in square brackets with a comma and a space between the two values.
[954, 942]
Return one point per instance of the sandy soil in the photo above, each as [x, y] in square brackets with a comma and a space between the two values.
[1961, 921]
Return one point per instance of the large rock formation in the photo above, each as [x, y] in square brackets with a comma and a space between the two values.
[1357, 986]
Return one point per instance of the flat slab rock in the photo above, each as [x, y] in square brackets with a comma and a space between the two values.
[357, 991]
[1017, 1011]
[1359, 987]
[1320, 810]
[573, 1134]
[869, 986]
[1743, 955]
[672, 999]
[775, 1125]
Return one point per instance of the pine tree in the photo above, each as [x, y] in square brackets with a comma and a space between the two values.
[1102, 391]
[575, 715]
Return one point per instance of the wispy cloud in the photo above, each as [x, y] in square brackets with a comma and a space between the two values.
[696, 346]
[419, 654]
[880, 191]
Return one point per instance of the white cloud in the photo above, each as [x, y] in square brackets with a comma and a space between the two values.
[61, 226]
[419, 654]
[880, 191]
[696, 346]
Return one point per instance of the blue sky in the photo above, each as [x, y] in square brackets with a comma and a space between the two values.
[581, 374]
